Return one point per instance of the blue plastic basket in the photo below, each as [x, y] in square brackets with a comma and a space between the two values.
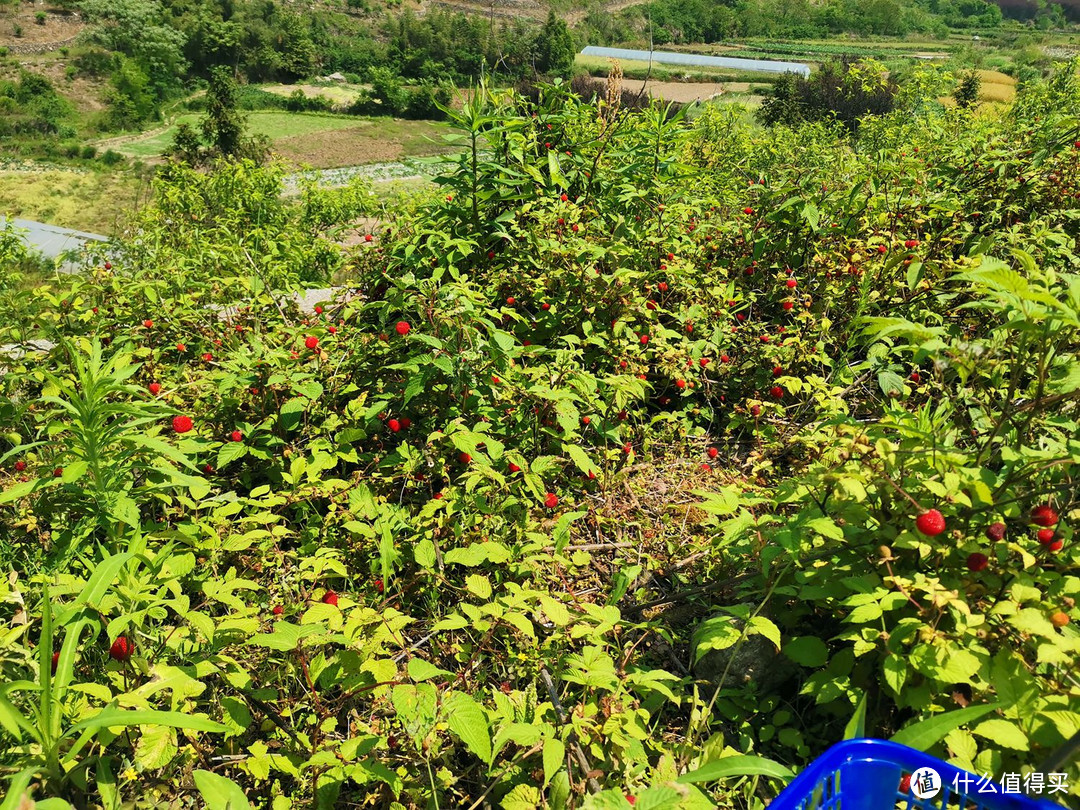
[866, 775]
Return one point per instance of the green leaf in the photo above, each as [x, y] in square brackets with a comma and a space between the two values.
[736, 766]
[220, 792]
[421, 670]
[478, 585]
[156, 747]
[581, 459]
[230, 451]
[17, 789]
[424, 554]
[923, 734]
[522, 797]
[292, 413]
[826, 527]
[554, 755]
[1003, 732]
[761, 626]
[890, 382]
[856, 726]
[809, 651]
[717, 633]
[125, 510]
[286, 636]
[467, 720]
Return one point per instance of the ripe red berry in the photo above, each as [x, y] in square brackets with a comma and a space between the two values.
[1044, 515]
[406, 422]
[180, 347]
[977, 562]
[680, 384]
[278, 610]
[662, 286]
[1056, 546]
[514, 467]
[237, 436]
[725, 359]
[643, 339]
[207, 357]
[121, 649]
[154, 388]
[330, 598]
[704, 361]
[58, 472]
[777, 371]
[931, 523]
[20, 465]
[776, 391]
[563, 197]
[915, 377]
[545, 306]
[585, 420]
[882, 249]
[208, 468]
[55, 661]
[318, 309]
[511, 301]
[788, 305]
[1046, 536]
[626, 448]
[748, 210]
[755, 410]
[494, 379]
[182, 424]
[394, 425]
[995, 531]
[791, 283]
[367, 237]
[713, 452]
[149, 324]
[332, 330]
[551, 500]
[108, 265]
[464, 458]
[378, 583]
[910, 243]
[402, 328]
[311, 342]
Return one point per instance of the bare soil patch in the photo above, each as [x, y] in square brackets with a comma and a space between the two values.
[343, 147]
[57, 28]
[84, 93]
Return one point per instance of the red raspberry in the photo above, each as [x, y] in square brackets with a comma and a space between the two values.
[121, 649]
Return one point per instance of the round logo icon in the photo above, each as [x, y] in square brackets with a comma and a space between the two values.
[925, 783]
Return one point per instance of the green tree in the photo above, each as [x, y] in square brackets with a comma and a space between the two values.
[223, 126]
[554, 48]
[138, 28]
[967, 92]
[131, 99]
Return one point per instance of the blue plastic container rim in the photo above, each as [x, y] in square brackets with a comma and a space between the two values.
[869, 772]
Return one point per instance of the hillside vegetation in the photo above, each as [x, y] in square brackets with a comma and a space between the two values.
[637, 463]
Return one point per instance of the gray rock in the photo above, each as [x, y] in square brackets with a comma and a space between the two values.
[753, 660]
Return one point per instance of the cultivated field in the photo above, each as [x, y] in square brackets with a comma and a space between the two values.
[321, 141]
[88, 201]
